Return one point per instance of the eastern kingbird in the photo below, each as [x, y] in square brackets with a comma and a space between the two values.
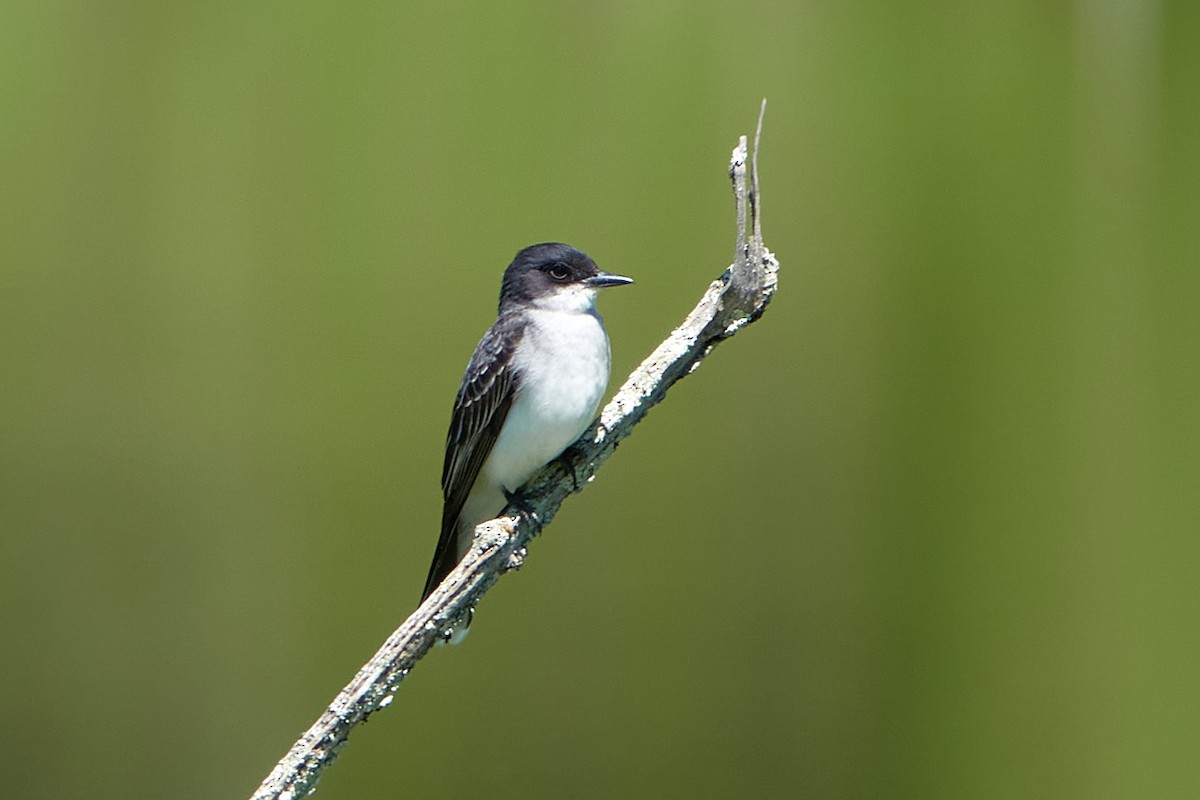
[532, 386]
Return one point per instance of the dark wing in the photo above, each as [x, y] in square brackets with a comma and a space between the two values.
[479, 412]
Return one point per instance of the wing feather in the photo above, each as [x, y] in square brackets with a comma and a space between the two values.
[479, 412]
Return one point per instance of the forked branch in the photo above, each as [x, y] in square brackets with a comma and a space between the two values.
[735, 299]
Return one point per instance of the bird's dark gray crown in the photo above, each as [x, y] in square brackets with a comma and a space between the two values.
[542, 269]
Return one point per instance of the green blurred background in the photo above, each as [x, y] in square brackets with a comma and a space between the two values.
[929, 529]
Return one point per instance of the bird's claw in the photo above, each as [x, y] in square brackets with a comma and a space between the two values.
[568, 458]
[518, 501]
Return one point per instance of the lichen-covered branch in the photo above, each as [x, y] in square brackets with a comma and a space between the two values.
[732, 301]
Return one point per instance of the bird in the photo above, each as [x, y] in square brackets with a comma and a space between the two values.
[531, 388]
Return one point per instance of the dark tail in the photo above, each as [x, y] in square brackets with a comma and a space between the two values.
[445, 557]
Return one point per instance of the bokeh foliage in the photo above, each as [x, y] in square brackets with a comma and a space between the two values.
[927, 530]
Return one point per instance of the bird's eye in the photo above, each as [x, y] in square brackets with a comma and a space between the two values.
[560, 272]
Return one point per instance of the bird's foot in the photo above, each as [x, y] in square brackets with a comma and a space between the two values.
[570, 460]
[521, 504]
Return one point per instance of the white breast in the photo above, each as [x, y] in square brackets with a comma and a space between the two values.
[563, 362]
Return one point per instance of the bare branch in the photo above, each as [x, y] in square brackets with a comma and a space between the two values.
[735, 299]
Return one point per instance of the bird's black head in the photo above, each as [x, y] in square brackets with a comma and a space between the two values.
[555, 276]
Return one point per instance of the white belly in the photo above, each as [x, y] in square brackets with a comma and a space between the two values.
[563, 365]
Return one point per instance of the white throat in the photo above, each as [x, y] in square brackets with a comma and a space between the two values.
[576, 299]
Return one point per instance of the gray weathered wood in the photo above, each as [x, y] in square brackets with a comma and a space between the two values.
[732, 301]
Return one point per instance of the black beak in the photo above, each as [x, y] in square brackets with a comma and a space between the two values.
[602, 278]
